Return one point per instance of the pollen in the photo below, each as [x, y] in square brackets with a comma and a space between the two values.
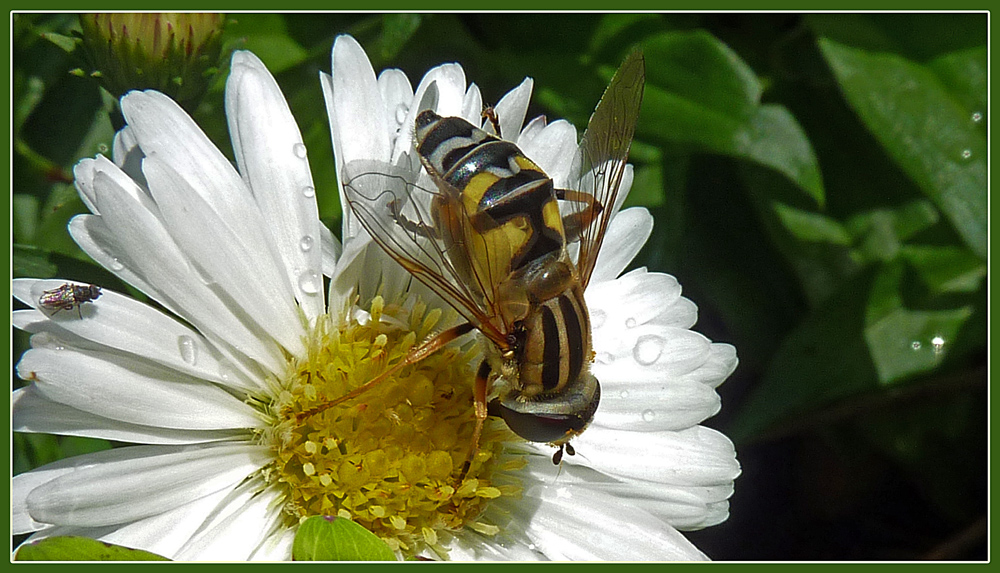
[391, 458]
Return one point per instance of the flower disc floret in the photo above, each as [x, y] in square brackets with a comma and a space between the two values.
[390, 459]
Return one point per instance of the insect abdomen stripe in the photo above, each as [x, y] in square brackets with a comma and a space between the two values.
[571, 314]
[552, 368]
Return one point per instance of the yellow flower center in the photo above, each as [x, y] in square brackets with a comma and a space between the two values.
[391, 458]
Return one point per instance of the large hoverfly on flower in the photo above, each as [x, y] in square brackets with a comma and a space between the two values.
[491, 240]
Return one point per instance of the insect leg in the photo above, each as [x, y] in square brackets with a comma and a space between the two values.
[417, 228]
[415, 355]
[491, 114]
[575, 223]
[479, 393]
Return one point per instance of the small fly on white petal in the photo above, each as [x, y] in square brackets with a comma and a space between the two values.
[67, 297]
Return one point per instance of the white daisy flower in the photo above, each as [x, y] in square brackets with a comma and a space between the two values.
[217, 394]
[645, 468]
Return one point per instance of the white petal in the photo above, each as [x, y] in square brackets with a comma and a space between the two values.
[126, 389]
[358, 118]
[441, 89]
[166, 132]
[449, 80]
[628, 175]
[122, 323]
[248, 276]
[472, 546]
[276, 547]
[635, 298]
[671, 405]
[237, 527]
[88, 172]
[94, 237]
[720, 365]
[626, 235]
[127, 155]
[132, 483]
[684, 507]
[576, 523]
[553, 148]
[512, 108]
[331, 248]
[32, 412]
[163, 533]
[137, 247]
[695, 456]
[472, 106]
[397, 96]
[195, 172]
[649, 353]
[272, 161]
[531, 131]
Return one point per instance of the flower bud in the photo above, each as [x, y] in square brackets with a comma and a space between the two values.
[177, 54]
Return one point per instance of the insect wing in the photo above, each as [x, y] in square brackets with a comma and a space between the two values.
[605, 148]
[427, 231]
[60, 298]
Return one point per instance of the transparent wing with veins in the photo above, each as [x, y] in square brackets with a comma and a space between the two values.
[407, 220]
[604, 151]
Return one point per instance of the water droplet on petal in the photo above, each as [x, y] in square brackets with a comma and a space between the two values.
[623, 394]
[299, 150]
[309, 191]
[966, 153]
[115, 265]
[189, 352]
[309, 282]
[597, 318]
[630, 322]
[915, 345]
[401, 111]
[306, 243]
[648, 415]
[648, 349]
[977, 116]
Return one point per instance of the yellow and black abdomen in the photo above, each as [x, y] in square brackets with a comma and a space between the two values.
[501, 189]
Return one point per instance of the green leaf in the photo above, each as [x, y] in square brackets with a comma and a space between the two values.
[70, 548]
[30, 261]
[66, 43]
[811, 226]
[397, 29]
[861, 340]
[906, 342]
[880, 233]
[946, 269]
[823, 359]
[267, 37]
[337, 539]
[698, 91]
[697, 67]
[24, 217]
[927, 130]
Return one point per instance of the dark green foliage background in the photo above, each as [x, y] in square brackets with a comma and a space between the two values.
[819, 188]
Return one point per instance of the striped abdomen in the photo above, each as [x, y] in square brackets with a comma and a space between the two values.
[496, 180]
[557, 344]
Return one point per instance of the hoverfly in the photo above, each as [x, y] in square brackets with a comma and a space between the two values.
[67, 297]
[490, 239]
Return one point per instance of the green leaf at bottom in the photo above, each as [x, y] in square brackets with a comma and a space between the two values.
[70, 548]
